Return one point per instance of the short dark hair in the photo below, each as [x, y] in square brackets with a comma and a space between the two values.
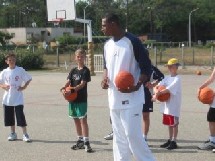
[111, 17]
[10, 54]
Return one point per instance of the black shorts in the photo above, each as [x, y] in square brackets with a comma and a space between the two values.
[211, 115]
[148, 106]
[9, 115]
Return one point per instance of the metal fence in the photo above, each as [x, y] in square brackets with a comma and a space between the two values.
[98, 63]
[186, 56]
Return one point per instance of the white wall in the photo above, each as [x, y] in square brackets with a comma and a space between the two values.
[21, 33]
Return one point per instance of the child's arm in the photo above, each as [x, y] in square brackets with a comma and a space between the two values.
[80, 86]
[209, 80]
[5, 87]
[21, 88]
[66, 85]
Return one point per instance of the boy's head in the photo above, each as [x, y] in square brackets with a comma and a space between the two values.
[173, 65]
[80, 55]
[10, 59]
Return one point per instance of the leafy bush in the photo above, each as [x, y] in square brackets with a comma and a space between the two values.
[25, 59]
[68, 40]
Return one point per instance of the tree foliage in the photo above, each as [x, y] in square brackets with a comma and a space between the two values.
[168, 17]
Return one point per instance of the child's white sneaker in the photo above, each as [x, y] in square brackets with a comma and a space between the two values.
[26, 138]
[12, 137]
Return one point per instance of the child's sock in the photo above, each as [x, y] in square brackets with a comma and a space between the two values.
[80, 138]
[173, 139]
[145, 137]
[212, 139]
[86, 139]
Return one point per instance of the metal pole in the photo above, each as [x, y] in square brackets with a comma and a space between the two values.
[126, 29]
[193, 56]
[84, 25]
[58, 61]
[155, 56]
[182, 55]
[212, 55]
[190, 26]
[84, 20]
[190, 29]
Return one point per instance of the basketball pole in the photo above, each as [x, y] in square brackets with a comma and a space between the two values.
[90, 44]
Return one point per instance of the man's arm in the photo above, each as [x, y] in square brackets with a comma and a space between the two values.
[104, 83]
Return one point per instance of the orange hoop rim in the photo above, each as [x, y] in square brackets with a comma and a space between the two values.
[58, 20]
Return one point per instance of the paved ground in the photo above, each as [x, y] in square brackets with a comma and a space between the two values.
[53, 131]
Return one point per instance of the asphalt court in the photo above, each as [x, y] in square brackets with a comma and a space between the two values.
[53, 132]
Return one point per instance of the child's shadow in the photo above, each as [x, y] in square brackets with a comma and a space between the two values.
[181, 148]
[73, 142]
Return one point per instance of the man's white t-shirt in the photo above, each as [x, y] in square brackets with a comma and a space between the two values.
[119, 55]
[14, 78]
[173, 105]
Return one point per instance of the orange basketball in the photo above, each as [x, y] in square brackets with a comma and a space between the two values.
[206, 95]
[124, 80]
[198, 72]
[163, 97]
[72, 96]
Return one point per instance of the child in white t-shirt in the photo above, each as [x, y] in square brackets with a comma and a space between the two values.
[14, 80]
[210, 143]
[171, 108]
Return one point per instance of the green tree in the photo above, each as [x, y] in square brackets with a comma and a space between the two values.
[4, 37]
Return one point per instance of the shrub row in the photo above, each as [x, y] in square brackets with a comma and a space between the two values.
[25, 59]
[68, 40]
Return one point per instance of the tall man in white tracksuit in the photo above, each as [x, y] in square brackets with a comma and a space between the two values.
[125, 52]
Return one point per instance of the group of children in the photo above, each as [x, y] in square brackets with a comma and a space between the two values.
[12, 78]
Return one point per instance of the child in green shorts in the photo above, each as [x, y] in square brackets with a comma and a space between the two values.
[78, 78]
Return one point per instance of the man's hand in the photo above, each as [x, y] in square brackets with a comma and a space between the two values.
[5, 87]
[104, 83]
[154, 98]
[149, 85]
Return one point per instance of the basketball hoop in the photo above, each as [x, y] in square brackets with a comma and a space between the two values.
[57, 21]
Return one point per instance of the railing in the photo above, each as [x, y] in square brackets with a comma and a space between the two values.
[98, 63]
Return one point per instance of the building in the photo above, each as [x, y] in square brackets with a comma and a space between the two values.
[29, 35]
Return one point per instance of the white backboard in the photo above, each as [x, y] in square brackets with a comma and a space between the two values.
[61, 9]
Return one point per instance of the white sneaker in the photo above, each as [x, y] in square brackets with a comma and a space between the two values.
[26, 138]
[12, 137]
[213, 150]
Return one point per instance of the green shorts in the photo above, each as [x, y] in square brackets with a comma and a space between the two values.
[78, 110]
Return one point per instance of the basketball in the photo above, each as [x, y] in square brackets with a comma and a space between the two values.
[124, 80]
[71, 97]
[163, 97]
[206, 95]
[198, 72]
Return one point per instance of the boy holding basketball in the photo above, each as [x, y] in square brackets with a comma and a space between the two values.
[210, 144]
[14, 80]
[156, 77]
[78, 79]
[171, 108]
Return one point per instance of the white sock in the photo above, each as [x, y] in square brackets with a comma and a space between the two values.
[212, 139]
[80, 138]
[173, 139]
[145, 137]
[86, 139]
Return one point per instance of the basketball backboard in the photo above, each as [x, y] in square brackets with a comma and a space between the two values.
[61, 9]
